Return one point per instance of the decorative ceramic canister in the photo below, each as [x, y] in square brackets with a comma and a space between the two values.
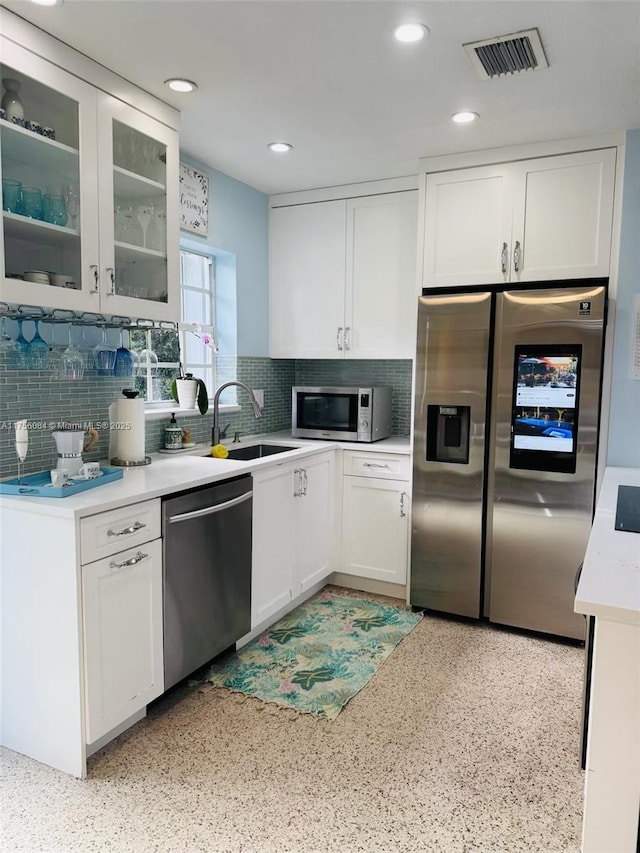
[11, 102]
[173, 434]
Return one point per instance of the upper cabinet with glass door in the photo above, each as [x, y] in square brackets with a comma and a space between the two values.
[139, 235]
[48, 136]
[89, 196]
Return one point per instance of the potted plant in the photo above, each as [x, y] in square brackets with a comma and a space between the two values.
[190, 392]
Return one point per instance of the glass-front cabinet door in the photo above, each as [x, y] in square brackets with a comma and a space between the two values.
[139, 231]
[48, 139]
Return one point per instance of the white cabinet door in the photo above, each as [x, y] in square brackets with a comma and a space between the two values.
[53, 226]
[467, 226]
[272, 576]
[382, 292]
[122, 606]
[563, 213]
[535, 220]
[375, 528]
[314, 521]
[307, 280]
[139, 236]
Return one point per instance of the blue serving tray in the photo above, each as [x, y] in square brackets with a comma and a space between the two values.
[39, 485]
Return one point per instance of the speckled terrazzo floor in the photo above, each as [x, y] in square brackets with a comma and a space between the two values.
[465, 739]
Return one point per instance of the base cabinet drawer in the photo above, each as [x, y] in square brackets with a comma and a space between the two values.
[110, 532]
[386, 466]
[122, 615]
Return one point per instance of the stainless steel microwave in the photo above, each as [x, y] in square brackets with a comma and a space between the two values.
[341, 412]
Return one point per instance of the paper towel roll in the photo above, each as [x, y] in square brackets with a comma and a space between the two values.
[126, 441]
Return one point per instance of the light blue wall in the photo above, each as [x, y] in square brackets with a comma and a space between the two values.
[624, 419]
[238, 224]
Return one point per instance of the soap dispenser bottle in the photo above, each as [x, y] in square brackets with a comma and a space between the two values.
[173, 434]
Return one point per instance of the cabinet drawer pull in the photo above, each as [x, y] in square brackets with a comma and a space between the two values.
[297, 489]
[504, 258]
[139, 557]
[375, 465]
[305, 481]
[126, 530]
[402, 509]
[339, 337]
[347, 333]
[517, 256]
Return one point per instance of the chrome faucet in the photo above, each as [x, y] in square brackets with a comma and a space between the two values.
[215, 429]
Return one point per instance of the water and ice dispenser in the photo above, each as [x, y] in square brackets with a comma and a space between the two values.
[448, 433]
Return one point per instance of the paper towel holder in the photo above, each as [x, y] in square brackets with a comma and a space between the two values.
[130, 394]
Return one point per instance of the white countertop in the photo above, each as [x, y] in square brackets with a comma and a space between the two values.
[609, 585]
[168, 474]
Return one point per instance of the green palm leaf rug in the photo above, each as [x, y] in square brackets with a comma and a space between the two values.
[319, 656]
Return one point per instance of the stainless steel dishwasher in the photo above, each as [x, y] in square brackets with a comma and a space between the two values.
[207, 574]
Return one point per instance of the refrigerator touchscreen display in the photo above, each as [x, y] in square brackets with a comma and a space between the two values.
[545, 407]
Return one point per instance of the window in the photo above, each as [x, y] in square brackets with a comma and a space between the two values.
[164, 351]
[197, 306]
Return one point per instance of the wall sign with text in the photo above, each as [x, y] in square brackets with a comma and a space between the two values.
[194, 200]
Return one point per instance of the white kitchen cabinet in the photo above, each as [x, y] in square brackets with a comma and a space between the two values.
[112, 172]
[122, 621]
[342, 277]
[314, 521]
[293, 532]
[272, 575]
[532, 220]
[375, 516]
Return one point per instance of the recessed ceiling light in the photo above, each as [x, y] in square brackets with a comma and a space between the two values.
[47, 2]
[280, 147]
[410, 32]
[464, 117]
[178, 84]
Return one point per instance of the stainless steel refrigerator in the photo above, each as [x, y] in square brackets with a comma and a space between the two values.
[506, 414]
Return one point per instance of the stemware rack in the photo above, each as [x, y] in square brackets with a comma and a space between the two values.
[83, 318]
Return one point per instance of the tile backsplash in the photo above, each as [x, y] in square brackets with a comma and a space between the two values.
[45, 401]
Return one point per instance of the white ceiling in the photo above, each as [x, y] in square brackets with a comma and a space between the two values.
[327, 76]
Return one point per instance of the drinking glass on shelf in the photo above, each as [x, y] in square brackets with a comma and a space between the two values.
[144, 216]
[104, 356]
[38, 351]
[54, 210]
[72, 201]
[158, 230]
[147, 360]
[72, 367]
[12, 200]
[32, 202]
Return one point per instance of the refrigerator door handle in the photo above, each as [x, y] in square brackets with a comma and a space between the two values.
[504, 258]
[517, 256]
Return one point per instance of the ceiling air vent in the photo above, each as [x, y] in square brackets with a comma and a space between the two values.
[493, 57]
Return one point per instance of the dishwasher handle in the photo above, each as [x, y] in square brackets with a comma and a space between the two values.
[210, 510]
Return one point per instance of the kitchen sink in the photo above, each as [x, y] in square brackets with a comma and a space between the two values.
[257, 451]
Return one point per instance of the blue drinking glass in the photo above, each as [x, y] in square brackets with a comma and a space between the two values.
[124, 363]
[32, 202]
[12, 196]
[54, 210]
